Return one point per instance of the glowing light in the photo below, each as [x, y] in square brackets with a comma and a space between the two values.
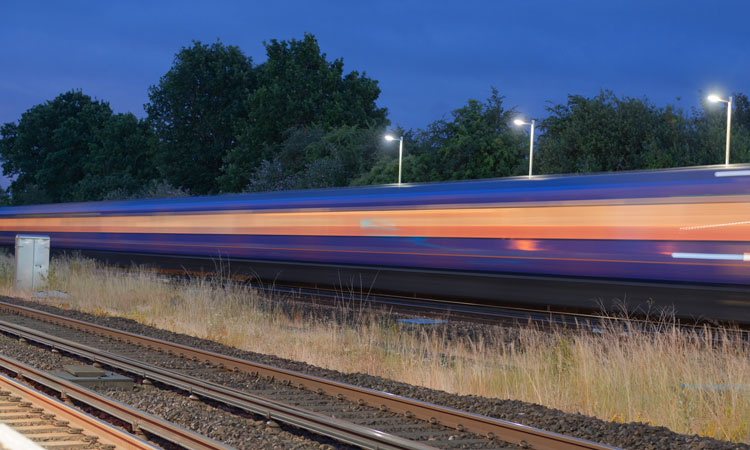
[525, 245]
[714, 98]
[388, 137]
[715, 256]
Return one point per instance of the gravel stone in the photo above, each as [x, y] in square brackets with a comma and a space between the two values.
[238, 431]
[632, 435]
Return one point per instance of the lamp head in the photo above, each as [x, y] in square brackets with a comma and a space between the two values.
[388, 137]
[714, 98]
[519, 122]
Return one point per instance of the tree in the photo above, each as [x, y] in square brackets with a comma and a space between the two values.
[74, 148]
[607, 133]
[710, 124]
[476, 143]
[385, 171]
[121, 158]
[345, 152]
[4, 197]
[311, 158]
[194, 110]
[47, 149]
[741, 113]
[150, 189]
[297, 88]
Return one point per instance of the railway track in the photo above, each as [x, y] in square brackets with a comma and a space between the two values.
[45, 422]
[139, 423]
[428, 307]
[350, 414]
[438, 311]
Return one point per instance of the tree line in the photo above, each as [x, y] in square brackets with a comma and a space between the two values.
[215, 123]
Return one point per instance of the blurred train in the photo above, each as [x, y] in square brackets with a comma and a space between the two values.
[653, 239]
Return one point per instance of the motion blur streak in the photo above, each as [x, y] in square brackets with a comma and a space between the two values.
[673, 218]
[733, 173]
[710, 256]
[653, 229]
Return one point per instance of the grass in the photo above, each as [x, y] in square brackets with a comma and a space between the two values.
[685, 380]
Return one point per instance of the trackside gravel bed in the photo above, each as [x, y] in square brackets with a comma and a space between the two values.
[625, 435]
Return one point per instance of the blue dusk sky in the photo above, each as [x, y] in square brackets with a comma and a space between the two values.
[429, 57]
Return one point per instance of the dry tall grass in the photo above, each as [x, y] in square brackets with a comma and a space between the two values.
[680, 379]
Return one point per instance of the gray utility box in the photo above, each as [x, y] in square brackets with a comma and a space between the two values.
[32, 261]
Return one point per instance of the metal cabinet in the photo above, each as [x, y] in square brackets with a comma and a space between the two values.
[32, 261]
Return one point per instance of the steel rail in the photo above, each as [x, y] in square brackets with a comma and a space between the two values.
[473, 312]
[443, 309]
[83, 423]
[461, 420]
[335, 428]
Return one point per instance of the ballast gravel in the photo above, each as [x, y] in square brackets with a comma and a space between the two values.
[238, 431]
[632, 435]
[231, 429]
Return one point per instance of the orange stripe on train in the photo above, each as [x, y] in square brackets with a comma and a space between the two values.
[675, 221]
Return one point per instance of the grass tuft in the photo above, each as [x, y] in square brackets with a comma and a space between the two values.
[691, 381]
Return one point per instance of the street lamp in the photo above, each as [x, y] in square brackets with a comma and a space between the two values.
[400, 140]
[715, 98]
[520, 122]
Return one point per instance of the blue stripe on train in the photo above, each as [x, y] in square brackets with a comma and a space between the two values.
[648, 260]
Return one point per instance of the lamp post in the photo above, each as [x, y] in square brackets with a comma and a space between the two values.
[716, 98]
[400, 140]
[520, 122]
